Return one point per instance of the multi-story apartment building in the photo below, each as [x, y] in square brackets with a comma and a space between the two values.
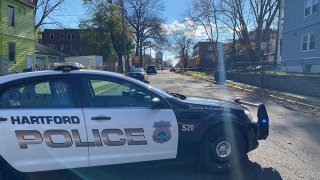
[17, 39]
[300, 46]
[66, 41]
[205, 51]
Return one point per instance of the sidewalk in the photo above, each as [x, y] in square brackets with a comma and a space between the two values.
[301, 103]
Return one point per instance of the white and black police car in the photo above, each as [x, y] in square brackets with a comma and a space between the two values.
[69, 118]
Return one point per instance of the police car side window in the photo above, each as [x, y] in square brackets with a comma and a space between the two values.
[44, 94]
[104, 93]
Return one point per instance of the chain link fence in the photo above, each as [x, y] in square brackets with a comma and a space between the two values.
[289, 67]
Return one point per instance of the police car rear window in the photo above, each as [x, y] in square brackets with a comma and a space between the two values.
[44, 94]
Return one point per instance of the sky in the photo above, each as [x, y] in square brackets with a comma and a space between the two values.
[72, 11]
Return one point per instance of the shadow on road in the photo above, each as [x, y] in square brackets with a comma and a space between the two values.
[251, 171]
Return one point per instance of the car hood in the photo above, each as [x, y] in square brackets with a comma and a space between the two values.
[196, 102]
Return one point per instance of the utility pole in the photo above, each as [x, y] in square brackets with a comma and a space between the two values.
[279, 37]
[127, 68]
[220, 75]
[262, 52]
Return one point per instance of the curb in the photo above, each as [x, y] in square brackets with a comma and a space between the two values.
[278, 98]
[265, 94]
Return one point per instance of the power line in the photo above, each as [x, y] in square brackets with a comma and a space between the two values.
[71, 15]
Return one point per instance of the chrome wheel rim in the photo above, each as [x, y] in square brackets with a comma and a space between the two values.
[223, 149]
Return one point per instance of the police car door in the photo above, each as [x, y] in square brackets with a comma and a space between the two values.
[123, 126]
[41, 127]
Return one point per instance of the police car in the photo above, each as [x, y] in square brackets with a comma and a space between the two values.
[69, 118]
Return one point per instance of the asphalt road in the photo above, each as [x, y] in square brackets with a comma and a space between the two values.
[292, 150]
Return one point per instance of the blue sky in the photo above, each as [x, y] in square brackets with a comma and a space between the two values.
[72, 11]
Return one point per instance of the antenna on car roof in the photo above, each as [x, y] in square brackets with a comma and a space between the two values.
[67, 66]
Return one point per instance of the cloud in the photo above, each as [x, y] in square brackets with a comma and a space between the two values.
[171, 56]
[174, 26]
[197, 32]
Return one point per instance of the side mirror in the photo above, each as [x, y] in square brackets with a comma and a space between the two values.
[156, 103]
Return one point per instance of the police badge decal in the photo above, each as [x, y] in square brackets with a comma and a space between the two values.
[162, 131]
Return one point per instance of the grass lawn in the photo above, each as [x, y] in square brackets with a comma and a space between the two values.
[101, 86]
[197, 73]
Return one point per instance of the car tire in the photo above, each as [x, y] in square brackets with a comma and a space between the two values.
[221, 152]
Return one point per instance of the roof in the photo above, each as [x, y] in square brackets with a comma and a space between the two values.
[29, 2]
[41, 49]
[202, 43]
[12, 77]
[62, 30]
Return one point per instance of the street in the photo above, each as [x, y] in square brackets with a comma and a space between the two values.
[290, 152]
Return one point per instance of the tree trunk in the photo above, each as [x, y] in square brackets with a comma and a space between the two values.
[186, 59]
[140, 53]
[120, 65]
[127, 63]
[259, 40]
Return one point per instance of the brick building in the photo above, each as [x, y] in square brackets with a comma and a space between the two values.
[204, 50]
[66, 41]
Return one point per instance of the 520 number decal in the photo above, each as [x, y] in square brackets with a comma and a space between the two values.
[188, 127]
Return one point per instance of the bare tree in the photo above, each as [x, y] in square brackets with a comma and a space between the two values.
[170, 62]
[238, 16]
[205, 13]
[264, 12]
[145, 22]
[182, 43]
[43, 9]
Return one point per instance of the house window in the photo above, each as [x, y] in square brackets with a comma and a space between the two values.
[51, 36]
[315, 6]
[72, 36]
[308, 42]
[61, 47]
[311, 42]
[10, 16]
[311, 7]
[12, 51]
[69, 36]
[307, 68]
[62, 36]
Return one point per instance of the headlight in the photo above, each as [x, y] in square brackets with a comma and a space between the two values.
[248, 114]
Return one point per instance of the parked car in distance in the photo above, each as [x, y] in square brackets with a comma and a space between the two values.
[266, 68]
[151, 70]
[138, 73]
[172, 70]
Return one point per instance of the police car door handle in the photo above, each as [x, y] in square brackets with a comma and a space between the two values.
[100, 118]
[3, 119]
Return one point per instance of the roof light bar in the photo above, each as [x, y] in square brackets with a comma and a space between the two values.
[67, 66]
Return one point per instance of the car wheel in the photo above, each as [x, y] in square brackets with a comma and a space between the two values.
[221, 151]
